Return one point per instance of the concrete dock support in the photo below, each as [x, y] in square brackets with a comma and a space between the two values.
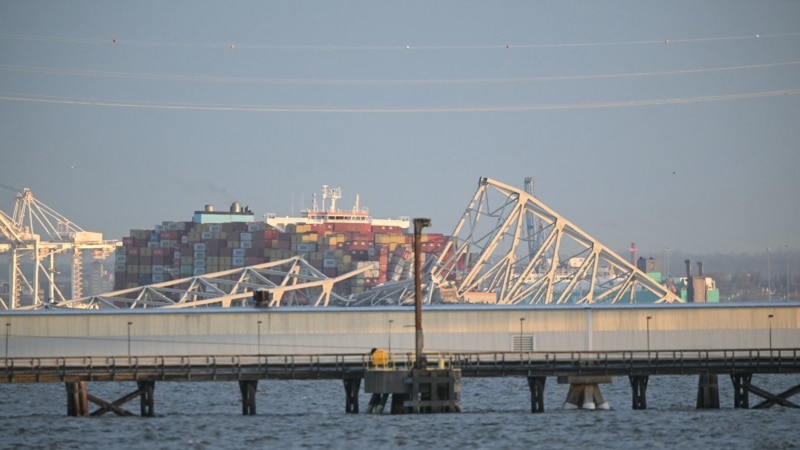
[639, 388]
[536, 385]
[584, 392]
[708, 391]
[351, 386]
[77, 399]
[248, 391]
[741, 398]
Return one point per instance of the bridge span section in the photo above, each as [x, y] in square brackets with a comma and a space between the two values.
[447, 329]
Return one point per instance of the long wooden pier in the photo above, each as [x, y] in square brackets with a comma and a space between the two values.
[582, 369]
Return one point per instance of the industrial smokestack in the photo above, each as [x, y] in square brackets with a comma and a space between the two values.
[700, 268]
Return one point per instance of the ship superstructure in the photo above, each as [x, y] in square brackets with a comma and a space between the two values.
[329, 213]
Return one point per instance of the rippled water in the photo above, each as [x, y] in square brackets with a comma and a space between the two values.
[303, 414]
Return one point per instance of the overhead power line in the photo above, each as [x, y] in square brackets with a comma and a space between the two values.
[357, 110]
[312, 81]
[407, 46]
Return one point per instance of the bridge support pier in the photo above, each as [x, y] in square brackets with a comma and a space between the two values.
[351, 386]
[248, 391]
[639, 387]
[536, 385]
[708, 391]
[77, 399]
[741, 397]
[584, 392]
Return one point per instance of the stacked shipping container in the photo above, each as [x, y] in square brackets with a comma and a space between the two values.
[176, 250]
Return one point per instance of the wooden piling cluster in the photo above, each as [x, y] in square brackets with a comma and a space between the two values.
[78, 399]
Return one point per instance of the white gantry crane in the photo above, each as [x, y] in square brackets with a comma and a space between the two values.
[34, 235]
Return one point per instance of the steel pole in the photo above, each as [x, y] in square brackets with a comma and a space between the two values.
[129, 341]
[419, 224]
[390, 335]
[770, 334]
[259, 337]
[648, 335]
[8, 326]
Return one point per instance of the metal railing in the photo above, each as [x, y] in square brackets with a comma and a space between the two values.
[335, 366]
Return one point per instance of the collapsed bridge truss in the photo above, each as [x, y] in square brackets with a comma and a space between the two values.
[291, 281]
[495, 250]
[510, 248]
[507, 248]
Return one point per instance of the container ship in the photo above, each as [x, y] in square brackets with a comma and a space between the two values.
[332, 240]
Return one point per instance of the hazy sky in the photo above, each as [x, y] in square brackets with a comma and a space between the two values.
[665, 123]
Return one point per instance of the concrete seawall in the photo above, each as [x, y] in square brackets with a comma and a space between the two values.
[357, 330]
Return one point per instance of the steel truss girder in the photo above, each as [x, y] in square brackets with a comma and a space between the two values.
[300, 283]
[490, 251]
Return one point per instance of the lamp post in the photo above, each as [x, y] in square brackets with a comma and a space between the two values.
[648, 335]
[390, 335]
[770, 334]
[129, 341]
[259, 337]
[521, 320]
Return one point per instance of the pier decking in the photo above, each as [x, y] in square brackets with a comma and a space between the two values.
[351, 368]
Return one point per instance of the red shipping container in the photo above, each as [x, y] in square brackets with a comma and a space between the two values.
[168, 235]
[132, 251]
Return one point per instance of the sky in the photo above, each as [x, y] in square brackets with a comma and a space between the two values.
[669, 124]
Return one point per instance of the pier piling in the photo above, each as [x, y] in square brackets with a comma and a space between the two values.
[639, 388]
[708, 391]
[351, 386]
[146, 398]
[77, 399]
[536, 385]
[741, 398]
[248, 391]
